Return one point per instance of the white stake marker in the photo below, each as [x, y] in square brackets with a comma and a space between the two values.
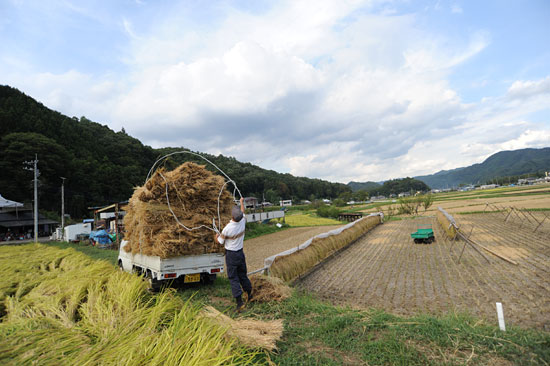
[500, 314]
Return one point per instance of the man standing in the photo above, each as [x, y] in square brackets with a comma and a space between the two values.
[233, 237]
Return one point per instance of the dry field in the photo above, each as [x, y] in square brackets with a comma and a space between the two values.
[533, 197]
[386, 270]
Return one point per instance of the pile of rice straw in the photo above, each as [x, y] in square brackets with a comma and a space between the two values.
[193, 193]
[267, 288]
[252, 333]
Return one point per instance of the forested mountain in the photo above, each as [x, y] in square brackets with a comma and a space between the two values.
[363, 186]
[501, 164]
[396, 186]
[103, 166]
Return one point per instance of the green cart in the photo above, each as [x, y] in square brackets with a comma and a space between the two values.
[423, 235]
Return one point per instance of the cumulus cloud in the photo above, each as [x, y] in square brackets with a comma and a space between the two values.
[523, 89]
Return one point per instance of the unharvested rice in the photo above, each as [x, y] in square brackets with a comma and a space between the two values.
[193, 192]
[268, 288]
[59, 307]
[252, 333]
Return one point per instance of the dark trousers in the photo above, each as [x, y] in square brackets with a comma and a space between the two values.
[235, 263]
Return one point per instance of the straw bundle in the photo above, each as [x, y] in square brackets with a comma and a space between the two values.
[268, 288]
[252, 333]
[298, 263]
[446, 225]
[193, 191]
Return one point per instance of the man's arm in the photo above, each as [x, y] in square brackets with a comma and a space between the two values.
[242, 205]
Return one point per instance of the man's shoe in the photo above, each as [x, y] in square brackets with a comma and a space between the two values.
[240, 304]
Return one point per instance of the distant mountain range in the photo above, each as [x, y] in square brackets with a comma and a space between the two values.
[501, 164]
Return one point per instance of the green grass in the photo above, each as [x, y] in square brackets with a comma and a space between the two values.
[317, 333]
[255, 229]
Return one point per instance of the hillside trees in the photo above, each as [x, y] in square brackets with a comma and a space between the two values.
[20, 147]
[397, 186]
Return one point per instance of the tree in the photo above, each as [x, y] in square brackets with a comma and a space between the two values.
[362, 195]
[345, 196]
[271, 196]
[427, 201]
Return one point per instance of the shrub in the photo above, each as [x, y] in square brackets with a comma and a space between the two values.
[327, 211]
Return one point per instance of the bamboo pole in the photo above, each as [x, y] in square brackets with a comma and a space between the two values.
[498, 255]
[545, 217]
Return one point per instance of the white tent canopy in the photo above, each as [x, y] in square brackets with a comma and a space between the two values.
[8, 203]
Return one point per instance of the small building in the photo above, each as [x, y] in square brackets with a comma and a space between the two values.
[404, 194]
[285, 203]
[488, 186]
[17, 221]
[526, 181]
[250, 202]
[377, 198]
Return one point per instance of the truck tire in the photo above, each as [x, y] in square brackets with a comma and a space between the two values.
[208, 279]
[154, 284]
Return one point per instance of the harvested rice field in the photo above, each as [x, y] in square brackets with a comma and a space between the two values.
[529, 197]
[384, 269]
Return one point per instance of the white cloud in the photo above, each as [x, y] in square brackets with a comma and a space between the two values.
[522, 89]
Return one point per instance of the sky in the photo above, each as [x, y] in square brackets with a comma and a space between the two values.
[338, 90]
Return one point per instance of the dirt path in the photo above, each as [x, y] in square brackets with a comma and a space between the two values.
[257, 249]
[386, 270]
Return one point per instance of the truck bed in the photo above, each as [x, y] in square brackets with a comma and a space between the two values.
[181, 265]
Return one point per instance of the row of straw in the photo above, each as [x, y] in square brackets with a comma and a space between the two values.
[291, 266]
[59, 307]
[446, 224]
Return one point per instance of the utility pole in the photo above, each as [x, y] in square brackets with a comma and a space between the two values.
[36, 174]
[63, 207]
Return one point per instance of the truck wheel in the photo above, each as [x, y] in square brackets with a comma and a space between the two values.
[154, 284]
[209, 279]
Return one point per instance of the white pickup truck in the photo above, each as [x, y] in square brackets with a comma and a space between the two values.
[184, 269]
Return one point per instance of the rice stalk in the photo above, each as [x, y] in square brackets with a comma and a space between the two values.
[60, 307]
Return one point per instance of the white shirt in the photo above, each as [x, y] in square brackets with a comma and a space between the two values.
[232, 229]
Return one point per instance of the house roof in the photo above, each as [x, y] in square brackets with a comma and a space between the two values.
[4, 202]
[11, 219]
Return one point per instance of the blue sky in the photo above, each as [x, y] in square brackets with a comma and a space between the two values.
[338, 90]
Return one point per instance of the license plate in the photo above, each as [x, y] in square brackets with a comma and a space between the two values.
[192, 278]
